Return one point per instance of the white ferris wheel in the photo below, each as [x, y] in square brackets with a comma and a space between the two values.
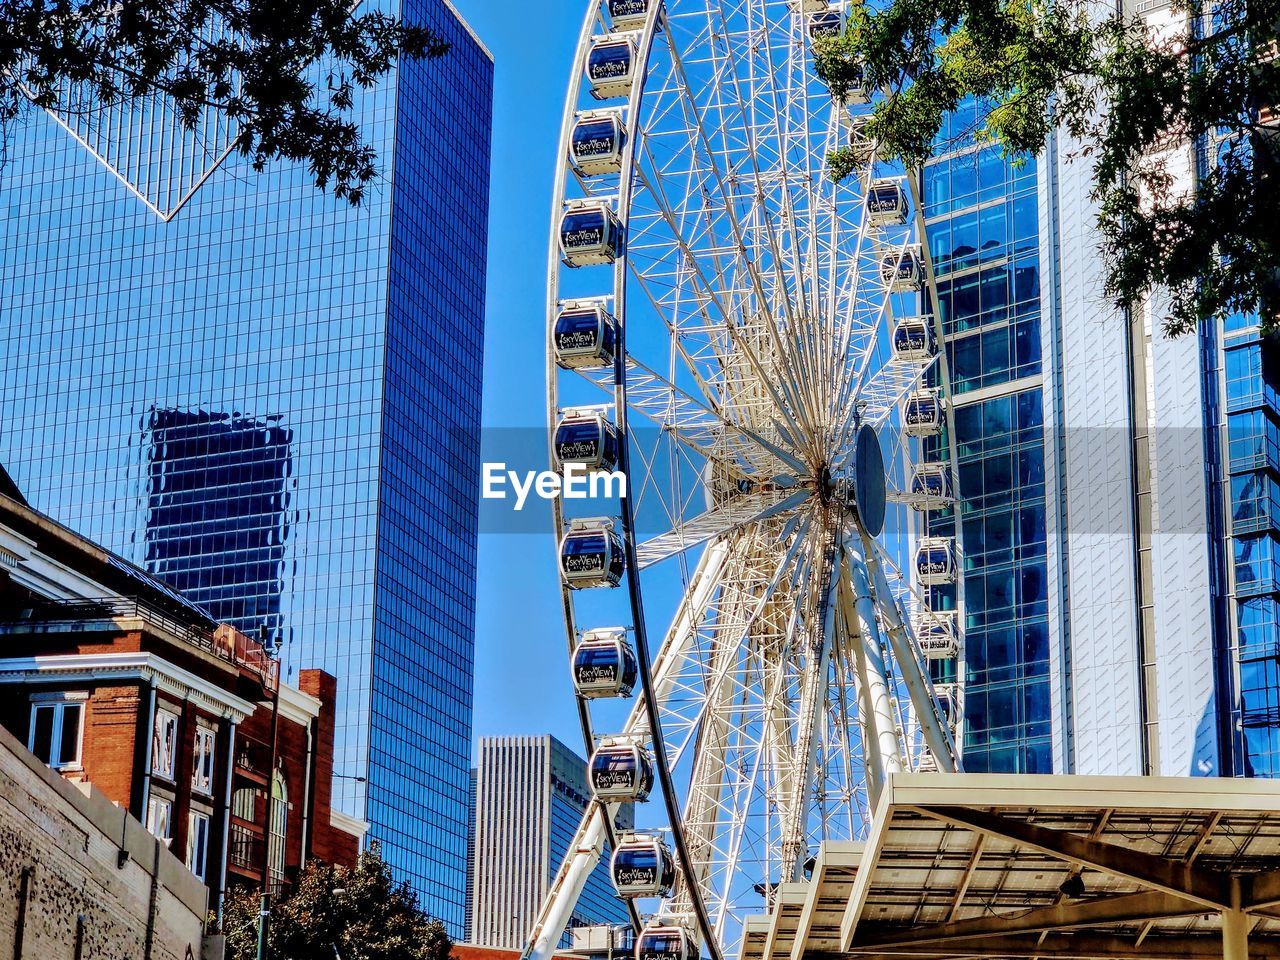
[768, 623]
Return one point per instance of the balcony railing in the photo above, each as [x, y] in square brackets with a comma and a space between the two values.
[223, 641]
[253, 757]
[245, 848]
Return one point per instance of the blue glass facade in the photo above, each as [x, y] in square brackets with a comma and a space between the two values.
[272, 400]
[1249, 668]
[218, 513]
[981, 217]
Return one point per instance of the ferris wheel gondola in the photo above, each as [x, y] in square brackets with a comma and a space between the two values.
[604, 665]
[763, 361]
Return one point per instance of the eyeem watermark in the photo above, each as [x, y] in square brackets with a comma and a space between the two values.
[577, 482]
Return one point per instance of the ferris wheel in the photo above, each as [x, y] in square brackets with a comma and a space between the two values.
[762, 600]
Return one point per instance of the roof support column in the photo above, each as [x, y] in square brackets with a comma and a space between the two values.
[1235, 935]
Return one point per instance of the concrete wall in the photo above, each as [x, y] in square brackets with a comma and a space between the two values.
[66, 889]
[1096, 474]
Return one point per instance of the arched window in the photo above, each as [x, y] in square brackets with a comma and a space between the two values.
[278, 822]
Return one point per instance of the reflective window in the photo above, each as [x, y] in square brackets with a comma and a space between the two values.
[164, 743]
[198, 844]
[203, 765]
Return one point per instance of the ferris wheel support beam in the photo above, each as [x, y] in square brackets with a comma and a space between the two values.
[588, 842]
[813, 701]
[937, 735]
[666, 667]
[860, 614]
[557, 907]
[701, 812]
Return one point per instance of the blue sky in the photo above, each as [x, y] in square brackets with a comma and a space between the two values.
[522, 677]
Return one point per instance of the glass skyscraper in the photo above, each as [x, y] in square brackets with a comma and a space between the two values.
[272, 400]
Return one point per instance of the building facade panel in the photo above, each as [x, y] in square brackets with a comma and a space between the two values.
[1098, 482]
[1180, 558]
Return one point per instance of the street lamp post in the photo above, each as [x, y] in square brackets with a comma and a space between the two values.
[264, 905]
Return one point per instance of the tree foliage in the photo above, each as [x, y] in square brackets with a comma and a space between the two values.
[286, 72]
[1132, 98]
[361, 911]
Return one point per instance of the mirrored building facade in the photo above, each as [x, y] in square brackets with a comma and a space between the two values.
[1119, 489]
[982, 222]
[271, 399]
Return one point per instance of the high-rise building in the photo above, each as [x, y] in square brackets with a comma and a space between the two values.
[470, 899]
[271, 399]
[1120, 500]
[530, 796]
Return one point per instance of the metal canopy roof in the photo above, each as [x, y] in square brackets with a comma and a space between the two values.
[1013, 866]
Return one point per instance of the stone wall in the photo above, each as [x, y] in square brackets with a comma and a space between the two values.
[82, 880]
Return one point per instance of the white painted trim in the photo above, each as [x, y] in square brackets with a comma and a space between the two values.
[356, 828]
[297, 706]
[15, 543]
[148, 667]
[51, 579]
[467, 27]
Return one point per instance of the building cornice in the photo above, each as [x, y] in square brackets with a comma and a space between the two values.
[147, 667]
[301, 708]
[349, 825]
[31, 568]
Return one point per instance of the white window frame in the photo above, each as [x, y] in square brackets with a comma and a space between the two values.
[205, 760]
[162, 763]
[277, 830]
[198, 828]
[160, 814]
[58, 703]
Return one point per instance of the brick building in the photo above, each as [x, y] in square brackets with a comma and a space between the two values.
[114, 679]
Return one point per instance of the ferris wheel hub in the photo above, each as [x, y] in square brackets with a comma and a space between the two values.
[858, 484]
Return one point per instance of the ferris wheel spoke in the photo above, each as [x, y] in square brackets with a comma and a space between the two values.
[788, 408]
[737, 448]
[739, 613]
[732, 514]
[764, 302]
[725, 65]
